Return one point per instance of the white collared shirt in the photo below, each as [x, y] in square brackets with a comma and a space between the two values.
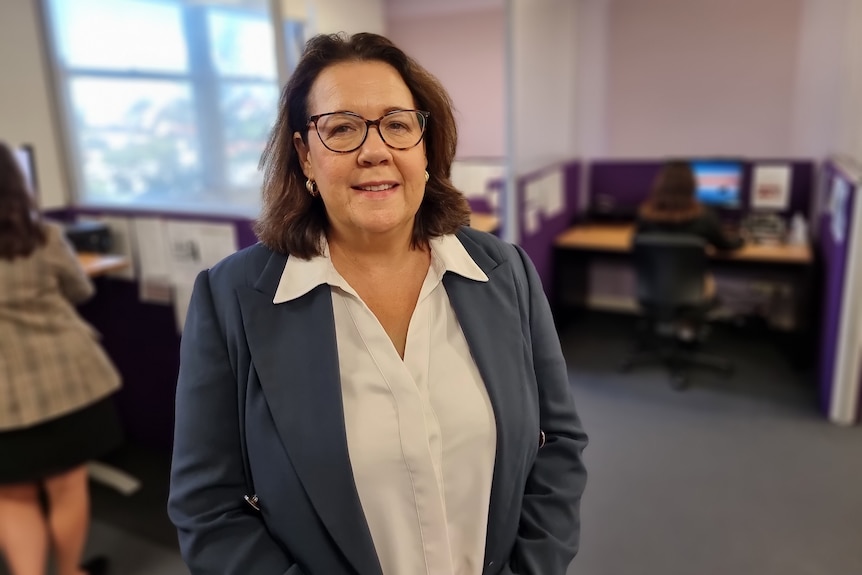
[421, 431]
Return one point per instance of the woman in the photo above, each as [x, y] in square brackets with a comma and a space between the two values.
[672, 207]
[55, 407]
[374, 388]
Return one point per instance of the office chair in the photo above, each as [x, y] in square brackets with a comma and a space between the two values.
[671, 270]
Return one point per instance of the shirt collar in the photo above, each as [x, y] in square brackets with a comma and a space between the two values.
[301, 276]
[450, 253]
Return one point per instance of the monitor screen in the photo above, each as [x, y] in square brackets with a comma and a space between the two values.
[718, 182]
[24, 155]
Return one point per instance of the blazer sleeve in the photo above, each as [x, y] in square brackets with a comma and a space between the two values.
[549, 528]
[218, 533]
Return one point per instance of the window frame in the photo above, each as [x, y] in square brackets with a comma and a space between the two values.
[205, 85]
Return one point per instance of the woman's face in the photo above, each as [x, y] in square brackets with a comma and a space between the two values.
[375, 189]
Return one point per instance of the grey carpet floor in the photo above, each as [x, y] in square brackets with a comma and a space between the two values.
[738, 476]
[133, 555]
[734, 476]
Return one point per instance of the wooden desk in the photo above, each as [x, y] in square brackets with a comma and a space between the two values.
[581, 250]
[484, 222]
[618, 239]
[98, 264]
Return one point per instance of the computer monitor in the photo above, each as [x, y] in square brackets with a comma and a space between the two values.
[719, 182]
[27, 160]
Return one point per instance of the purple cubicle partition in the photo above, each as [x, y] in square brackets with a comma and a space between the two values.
[480, 205]
[539, 244]
[835, 253]
[624, 184]
[621, 185]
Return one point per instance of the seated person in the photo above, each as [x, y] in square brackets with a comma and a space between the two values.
[672, 207]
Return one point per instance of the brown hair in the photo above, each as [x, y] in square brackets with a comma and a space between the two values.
[672, 198]
[292, 221]
[21, 230]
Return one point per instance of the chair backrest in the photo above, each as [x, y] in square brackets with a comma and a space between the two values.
[671, 271]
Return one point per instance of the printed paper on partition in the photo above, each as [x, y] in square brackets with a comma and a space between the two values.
[770, 188]
[149, 239]
[196, 246]
[544, 197]
[531, 220]
[191, 248]
[182, 296]
[555, 201]
[838, 209]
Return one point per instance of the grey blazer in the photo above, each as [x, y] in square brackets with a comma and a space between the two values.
[272, 371]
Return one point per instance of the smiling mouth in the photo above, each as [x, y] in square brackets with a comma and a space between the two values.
[380, 188]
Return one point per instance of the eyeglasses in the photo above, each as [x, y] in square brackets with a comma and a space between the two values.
[344, 132]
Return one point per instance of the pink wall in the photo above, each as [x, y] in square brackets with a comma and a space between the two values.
[591, 82]
[665, 77]
[702, 77]
[819, 77]
[466, 53]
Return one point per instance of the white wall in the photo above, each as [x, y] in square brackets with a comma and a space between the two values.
[702, 77]
[849, 137]
[591, 70]
[829, 80]
[293, 9]
[26, 110]
[468, 62]
[542, 82]
[351, 16]
[818, 78]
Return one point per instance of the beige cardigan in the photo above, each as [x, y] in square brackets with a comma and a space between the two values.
[50, 360]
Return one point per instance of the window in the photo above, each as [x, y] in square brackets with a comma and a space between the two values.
[168, 102]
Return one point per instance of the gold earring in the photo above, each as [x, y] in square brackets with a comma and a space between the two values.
[427, 176]
[311, 186]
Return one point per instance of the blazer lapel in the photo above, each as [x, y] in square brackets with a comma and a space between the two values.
[294, 352]
[489, 316]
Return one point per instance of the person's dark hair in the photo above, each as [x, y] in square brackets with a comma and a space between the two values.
[672, 198]
[21, 230]
[292, 221]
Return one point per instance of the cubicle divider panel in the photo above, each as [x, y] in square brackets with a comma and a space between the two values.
[142, 341]
[839, 388]
[547, 203]
[619, 186]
